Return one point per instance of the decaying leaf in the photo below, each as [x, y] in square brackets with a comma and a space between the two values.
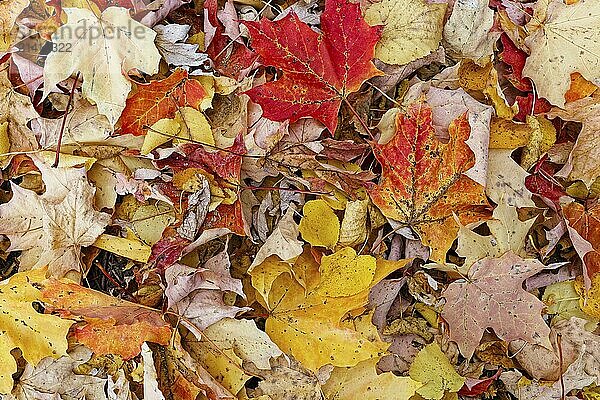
[492, 297]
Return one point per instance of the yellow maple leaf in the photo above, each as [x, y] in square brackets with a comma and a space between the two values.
[37, 335]
[432, 367]
[307, 302]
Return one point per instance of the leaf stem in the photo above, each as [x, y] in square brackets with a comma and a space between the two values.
[360, 120]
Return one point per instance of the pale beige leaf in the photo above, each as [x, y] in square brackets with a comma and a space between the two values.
[106, 46]
[412, 29]
[563, 39]
[506, 180]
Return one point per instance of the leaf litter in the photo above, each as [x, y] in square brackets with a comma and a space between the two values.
[314, 199]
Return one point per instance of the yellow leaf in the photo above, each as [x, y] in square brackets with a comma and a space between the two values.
[345, 274]
[159, 133]
[37, 335]
[319, 226]
[412, 29]
[347, 383]
[431, 366]
[543, 136]
[506, 134]
[132, 249]
[590, 298]
[306, 323]
[9, 11]
[561, 298]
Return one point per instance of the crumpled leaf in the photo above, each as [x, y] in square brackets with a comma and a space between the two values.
[282, 242]
[584, 160]
[507, 233]
[432, 368]
[346, 383]
[493, 298]
[111, 325]
[36, 224]
[101, 56]
[413, 192]
[170, 41]
[56, 377]
[37, 335]
[319, 70]
[319, 225]
[467, 32]
[286, 380]
[198, 293]
[411, 29]
[563, 39]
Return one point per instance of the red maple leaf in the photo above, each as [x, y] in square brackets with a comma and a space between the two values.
[160, 99]
[319, 70]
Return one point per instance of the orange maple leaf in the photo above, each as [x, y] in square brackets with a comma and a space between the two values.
[160, 99]
[110, 325]
[423, 182]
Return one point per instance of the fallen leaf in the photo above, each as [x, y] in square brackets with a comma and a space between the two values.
[411, 29]
[493, 298]
[413, 192]
[36, 224]
[436, 374]
[506, 180]
[56, 377]
[507, 233]
[101, 55]
[111, 325]
[563, 39]
[161, 99]
[319, 225]
[37, 335]
[346, 383]
[314, 85]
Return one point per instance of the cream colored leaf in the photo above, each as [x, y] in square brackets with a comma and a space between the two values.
[508, 233]
[51, 229]
[467, 32]
[506, 180]
[354, 229]
[283, 241]
[412, 29]
[102, 49]
[563, 39]
[9, 11]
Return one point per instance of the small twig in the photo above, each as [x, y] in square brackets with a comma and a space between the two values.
[360, 120]
[64, 121]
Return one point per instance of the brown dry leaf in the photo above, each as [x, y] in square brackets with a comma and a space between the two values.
[52, 228]
[493, 298]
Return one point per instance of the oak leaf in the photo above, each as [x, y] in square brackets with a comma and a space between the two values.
[493, 298]
[423, 182]
[106, 46]
[411, 29]
[110, 325]
[37, 335]
[162, 99]
[563, 39]
[319, 70]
